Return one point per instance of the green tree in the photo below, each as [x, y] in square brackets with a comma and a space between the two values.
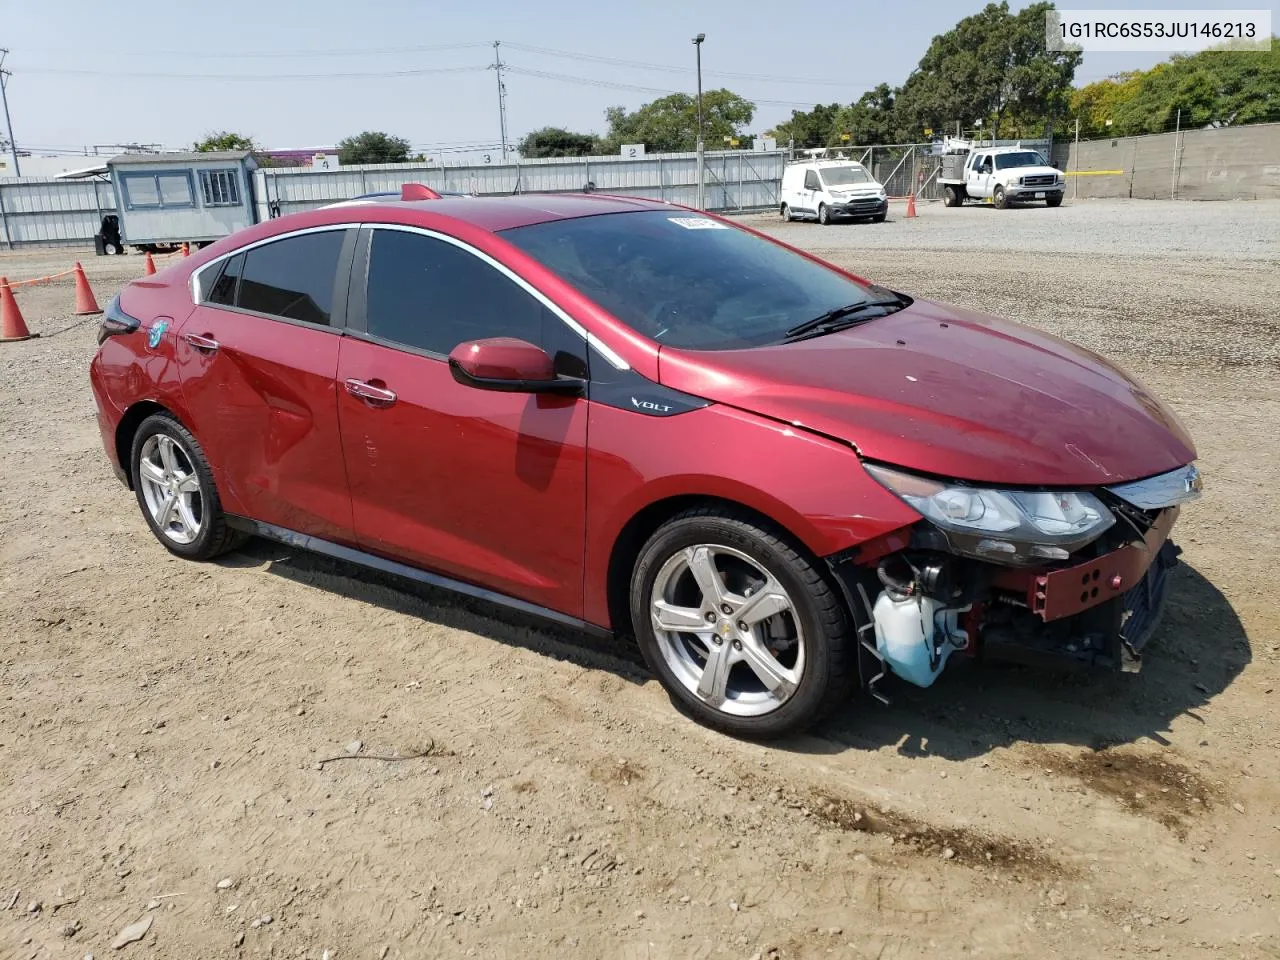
[671, 123]
[557, 142]
[809, 128]
[373, 147]
[1096, 103]
[990, 65]
[871, 120]
[218, 140]
[1211, 88]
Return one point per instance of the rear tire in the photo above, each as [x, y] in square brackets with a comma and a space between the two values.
[951, 197]
[824, 215]
[999, 199]
[786, 214]
[175, 490]
[793, 663]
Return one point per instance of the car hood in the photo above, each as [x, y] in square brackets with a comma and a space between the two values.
[952, 392]
[1016, 172]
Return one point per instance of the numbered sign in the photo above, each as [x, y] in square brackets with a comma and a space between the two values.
[632, 150]
[325, 161]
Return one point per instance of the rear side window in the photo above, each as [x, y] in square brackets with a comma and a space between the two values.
[432, 295]
[811, 180]
[224, 288]
[292, 278]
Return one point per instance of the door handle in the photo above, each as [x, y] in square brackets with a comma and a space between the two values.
[375, 394]
[201, 342]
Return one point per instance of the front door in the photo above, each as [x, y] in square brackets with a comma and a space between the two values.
[979, 184]
[257, 359]
[483, 486]
[812, 191]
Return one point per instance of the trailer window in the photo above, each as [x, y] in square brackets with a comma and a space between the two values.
[221, 188]
[170, 189]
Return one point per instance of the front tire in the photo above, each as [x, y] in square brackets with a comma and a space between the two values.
[175, 490]
[1053, 200]
[999, 199]
[824, 215]
[739, 625]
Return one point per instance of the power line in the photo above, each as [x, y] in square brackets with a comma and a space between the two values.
[256, 77]
[614, 85]
[339, 52]
[641, 65]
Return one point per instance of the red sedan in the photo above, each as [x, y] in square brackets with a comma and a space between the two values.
[627, 416]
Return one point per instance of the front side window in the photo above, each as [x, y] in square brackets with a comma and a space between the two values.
[1023, 158]
[292, 278]
[845, 176]
[686, 280]
[811, 180]
[220, 188]
[432, 295]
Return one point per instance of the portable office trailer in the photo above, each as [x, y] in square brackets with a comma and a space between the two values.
[171, 198]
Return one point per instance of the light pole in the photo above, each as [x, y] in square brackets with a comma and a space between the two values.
[702, 172]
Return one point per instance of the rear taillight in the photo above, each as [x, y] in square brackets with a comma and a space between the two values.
[115, 321]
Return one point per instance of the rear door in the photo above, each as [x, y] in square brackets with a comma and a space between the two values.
[257, 359]
[483, 486]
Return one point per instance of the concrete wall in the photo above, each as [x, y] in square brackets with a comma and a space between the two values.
[1229, 163]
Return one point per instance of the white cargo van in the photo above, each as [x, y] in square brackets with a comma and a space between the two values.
[825, 190]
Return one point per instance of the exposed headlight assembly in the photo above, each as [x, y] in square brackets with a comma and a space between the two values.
[1004, 526]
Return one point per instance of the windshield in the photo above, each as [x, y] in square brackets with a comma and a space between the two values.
[1026, 158]
[686, 280]
[841, 176]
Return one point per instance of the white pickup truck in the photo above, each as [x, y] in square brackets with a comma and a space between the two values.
[1003, 175]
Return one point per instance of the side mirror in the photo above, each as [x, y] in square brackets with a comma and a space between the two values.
[510, 366]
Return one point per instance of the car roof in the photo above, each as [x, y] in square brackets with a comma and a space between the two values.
[502, 213]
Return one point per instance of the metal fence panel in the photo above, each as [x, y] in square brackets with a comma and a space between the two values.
[46, 211]
[735, 180]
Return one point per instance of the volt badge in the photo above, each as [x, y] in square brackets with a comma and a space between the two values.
[156, 333]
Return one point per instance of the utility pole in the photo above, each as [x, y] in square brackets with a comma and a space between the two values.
[498, 66]
[1075, 184]
[701, 146]
[1177, 132]
[8, 124]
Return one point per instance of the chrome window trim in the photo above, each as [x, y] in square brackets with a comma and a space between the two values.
[595, 342]
[1163, 490]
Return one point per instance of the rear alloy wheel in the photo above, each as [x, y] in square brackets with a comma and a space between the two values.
[786, 213]
[824, 215]
[738, 626]
[175, 490]
[999, 199]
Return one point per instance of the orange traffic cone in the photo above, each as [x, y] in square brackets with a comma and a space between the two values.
[12, 326]
[186, 249]
[911, 206]
[85, 302]
[150, 266]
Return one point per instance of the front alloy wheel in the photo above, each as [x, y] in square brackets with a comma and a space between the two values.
[739, 625]
[727, 630]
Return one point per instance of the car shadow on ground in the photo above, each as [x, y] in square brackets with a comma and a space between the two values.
[443, 607]
[1199, 648]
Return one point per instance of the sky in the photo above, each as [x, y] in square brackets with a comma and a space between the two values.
[306, 74]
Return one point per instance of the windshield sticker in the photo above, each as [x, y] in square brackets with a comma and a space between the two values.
[697, 223]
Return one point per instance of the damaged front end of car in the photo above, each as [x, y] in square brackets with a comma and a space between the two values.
[1052, 578]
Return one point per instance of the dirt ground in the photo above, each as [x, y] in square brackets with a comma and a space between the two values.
[164, 726]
